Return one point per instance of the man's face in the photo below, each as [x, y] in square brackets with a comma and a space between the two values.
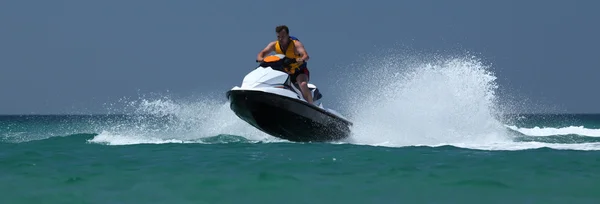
[282, 36]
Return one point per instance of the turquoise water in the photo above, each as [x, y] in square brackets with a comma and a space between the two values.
[76, 168]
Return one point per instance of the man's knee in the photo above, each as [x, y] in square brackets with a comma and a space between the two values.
[303, 84]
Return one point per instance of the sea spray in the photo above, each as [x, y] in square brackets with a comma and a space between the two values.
[164, 119]
[406, 101]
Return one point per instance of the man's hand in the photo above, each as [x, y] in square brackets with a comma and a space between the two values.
[269, 48]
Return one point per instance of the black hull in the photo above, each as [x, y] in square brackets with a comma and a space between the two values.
[287, 118]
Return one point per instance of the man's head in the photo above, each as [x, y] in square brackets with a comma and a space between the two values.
[283, 33]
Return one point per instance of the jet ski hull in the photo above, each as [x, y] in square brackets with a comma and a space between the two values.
[287, 118]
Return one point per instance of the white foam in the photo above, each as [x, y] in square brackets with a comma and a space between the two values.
[550, 131]
[514, 146]
[115, 139]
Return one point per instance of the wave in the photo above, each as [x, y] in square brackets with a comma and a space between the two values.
[553, 131]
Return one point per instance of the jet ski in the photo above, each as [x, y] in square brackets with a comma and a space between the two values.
[269, 101]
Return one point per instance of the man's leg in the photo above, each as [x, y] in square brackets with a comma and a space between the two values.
[302, 80]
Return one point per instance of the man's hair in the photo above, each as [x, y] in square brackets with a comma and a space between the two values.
[282, 27]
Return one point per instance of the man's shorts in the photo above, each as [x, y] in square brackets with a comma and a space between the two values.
[303, 70]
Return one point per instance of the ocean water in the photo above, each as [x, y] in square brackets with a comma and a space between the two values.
[426, 131]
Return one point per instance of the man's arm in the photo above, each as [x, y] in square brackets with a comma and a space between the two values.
[300, 49]
[270, 48]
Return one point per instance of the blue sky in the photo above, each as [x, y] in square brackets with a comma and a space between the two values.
[70, 56]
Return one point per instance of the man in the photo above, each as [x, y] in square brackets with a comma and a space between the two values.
[291, 47]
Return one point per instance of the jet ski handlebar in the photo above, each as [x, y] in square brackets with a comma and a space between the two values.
[285, 61]
[280, 65]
